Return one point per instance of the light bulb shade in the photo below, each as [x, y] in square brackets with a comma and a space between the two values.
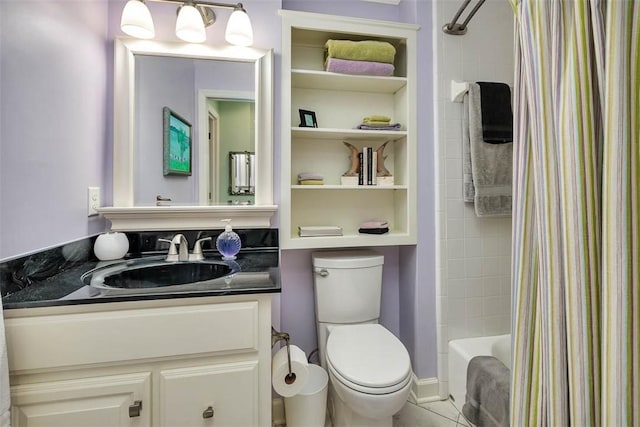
[239, 31]
[189, 25]
[136, 20]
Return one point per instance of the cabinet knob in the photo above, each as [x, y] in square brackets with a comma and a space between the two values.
[208, 413]
[134, 410]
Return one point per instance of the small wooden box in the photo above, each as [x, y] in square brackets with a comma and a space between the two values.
[384, 181]
[349, 180]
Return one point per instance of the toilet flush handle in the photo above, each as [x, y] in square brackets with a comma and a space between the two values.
[322, 272]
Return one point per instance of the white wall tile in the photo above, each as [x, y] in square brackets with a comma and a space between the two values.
[474, 293]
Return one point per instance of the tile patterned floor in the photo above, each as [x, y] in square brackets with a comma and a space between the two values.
[432, 414]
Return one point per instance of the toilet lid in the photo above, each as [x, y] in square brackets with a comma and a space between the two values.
[368, 355]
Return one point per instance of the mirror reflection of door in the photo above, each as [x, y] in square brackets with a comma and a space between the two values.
[234, 131]
[212, 187]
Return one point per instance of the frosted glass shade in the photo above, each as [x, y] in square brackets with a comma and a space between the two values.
[239, 31]
[190, 26]
[136, 20]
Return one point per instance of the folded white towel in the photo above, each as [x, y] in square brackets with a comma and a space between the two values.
[5, 393]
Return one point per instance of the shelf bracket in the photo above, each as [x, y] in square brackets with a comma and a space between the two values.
[458, 89]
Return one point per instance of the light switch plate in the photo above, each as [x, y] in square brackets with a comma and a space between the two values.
[93, 200]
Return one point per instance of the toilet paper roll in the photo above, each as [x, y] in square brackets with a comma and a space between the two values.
[280, 370]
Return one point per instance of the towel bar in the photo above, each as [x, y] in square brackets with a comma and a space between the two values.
[456, 29]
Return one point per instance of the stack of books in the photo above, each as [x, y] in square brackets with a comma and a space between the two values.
[368, 166]
[319, 230]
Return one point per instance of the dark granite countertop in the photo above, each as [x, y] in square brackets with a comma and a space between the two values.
[51, 279]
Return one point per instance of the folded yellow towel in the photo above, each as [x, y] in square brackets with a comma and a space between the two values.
[377, 118]
[367, 50]
[376, 123]
[311, 182]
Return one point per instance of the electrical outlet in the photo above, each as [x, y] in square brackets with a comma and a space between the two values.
[93, 201]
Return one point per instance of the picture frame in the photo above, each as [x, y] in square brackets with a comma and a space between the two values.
[308, 119]
[177, 143]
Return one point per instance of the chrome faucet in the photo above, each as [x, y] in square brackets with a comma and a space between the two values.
[182, 252]
[179, 254]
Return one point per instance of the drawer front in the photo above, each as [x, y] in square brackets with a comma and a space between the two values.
[213, 395]
[97, 401]
[103, 337]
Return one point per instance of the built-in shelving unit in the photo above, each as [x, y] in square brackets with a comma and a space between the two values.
[340, 102]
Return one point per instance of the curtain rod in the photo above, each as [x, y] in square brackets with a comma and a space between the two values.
[456, 29]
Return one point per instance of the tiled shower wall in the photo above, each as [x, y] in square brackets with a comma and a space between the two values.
[474, 253]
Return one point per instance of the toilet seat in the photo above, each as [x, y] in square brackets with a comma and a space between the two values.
[368, 358]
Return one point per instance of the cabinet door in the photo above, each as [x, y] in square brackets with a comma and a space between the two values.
[88, 402]
[213, 395]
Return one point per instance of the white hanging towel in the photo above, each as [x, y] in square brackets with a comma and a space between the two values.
[5, 392]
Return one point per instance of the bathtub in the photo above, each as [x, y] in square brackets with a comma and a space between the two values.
[463, 350]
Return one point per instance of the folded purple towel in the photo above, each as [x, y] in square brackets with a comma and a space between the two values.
[395, 126]
[375, 223]
[367, 68]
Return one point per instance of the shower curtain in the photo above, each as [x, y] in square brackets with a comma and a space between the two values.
[576, 218]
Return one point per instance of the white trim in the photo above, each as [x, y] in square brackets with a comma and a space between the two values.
[424, 390]
[140, 218]
[123, 134]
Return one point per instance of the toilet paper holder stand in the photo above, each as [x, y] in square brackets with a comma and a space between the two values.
[276, 336]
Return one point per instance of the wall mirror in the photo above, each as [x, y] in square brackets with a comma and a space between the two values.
[206, 86]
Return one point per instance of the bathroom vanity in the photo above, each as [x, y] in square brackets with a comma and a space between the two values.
[189, 357]
[162, 362]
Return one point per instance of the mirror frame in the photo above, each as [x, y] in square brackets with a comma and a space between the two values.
[124, 216]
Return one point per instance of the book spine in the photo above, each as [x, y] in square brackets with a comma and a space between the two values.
[369, 166]
[361, 169]
[374, 168]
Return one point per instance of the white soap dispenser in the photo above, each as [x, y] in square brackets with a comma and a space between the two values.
[228, 242]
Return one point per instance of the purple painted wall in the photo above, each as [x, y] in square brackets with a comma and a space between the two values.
[55, 141]
[53, 133]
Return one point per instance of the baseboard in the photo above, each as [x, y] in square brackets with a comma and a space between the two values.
[424, 390]
[277, 411]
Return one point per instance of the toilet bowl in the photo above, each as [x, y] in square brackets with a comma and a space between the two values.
[370, 375]
[369, 368]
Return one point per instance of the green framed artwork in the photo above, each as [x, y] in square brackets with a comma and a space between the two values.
[177, 142]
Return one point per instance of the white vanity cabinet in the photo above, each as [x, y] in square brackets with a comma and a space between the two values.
[340, 102]
[170, 363]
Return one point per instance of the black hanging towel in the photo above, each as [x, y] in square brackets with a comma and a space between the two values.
[497, 116]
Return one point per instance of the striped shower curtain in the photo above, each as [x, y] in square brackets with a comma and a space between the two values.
[576, 219]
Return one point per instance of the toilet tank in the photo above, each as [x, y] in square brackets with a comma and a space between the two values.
[348, 285]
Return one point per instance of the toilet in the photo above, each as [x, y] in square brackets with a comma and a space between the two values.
[369, 368]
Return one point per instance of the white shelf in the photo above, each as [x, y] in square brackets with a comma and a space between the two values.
[351, 240]
[349, 187]
[348, 134]
[311, 79]
[340, 101]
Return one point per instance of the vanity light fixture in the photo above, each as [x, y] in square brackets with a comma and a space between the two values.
[193, 17]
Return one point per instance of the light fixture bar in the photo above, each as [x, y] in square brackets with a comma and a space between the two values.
[193, 17]
[203, 3]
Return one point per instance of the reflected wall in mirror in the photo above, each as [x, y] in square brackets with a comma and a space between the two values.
[198, 82]
[222, 92]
